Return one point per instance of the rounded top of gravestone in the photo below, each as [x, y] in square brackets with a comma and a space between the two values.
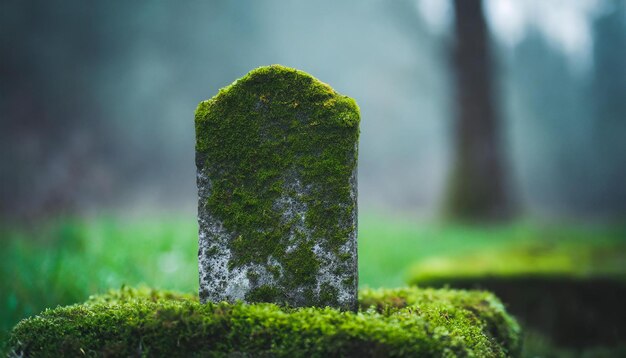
[268, 88]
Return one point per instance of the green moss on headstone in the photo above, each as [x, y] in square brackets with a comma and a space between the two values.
[276, 153]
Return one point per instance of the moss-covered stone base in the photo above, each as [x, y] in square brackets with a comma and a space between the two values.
[403, 322]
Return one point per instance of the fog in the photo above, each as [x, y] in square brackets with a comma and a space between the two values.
[97, 102]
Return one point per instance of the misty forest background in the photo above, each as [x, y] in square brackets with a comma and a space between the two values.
[97, 138]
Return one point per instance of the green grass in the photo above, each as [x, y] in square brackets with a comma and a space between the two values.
[65, 261]
[394, 251]
[402, 322]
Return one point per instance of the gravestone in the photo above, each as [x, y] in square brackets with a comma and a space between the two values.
[276, 157]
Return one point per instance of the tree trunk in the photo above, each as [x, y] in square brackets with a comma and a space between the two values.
[477, 186]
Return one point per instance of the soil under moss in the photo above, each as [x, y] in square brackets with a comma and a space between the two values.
[401, 322]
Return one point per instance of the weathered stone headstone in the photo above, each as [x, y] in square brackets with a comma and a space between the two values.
[276, 153]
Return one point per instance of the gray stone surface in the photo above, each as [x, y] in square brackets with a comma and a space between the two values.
[276, 154]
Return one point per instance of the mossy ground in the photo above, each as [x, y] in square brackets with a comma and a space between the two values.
[576, 261]
[402, 322]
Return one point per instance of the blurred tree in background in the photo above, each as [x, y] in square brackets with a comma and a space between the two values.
[477, 184]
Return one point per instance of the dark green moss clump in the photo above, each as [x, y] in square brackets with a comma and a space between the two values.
[404, 322]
